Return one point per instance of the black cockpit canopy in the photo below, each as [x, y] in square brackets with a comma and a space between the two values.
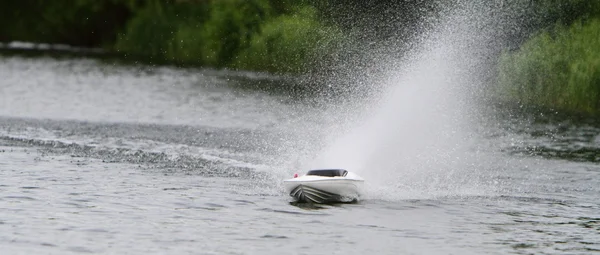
[328, 172]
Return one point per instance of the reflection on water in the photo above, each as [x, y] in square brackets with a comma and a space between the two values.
[552, 135]
[84, 90]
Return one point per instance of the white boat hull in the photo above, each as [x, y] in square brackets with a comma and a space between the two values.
[319, 189]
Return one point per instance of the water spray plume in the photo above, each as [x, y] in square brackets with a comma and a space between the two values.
[419, 135]
[416, 140]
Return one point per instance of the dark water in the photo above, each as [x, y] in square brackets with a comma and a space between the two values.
[105, 159]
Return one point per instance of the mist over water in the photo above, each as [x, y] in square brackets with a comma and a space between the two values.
[418, 138]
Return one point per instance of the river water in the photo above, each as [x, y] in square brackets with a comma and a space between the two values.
[112, 159]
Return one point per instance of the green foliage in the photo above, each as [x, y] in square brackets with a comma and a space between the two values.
[148, 33]
[204, 33]
[263, 35]
[558, 69]
[154, 29]
[227, 30]
[289, 43]
[79, 22]
[565, 12]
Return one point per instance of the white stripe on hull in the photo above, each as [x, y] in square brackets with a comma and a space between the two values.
[325, 191]
[307, 194]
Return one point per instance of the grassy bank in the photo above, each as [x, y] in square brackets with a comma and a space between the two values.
[262, 35]
[246, 34]
[558, 67]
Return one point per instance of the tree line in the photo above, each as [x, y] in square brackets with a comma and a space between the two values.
[549, 55]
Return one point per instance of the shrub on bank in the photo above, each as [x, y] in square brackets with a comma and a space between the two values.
[153, 31]
[245, 34]
[559, 69]
[289, 43]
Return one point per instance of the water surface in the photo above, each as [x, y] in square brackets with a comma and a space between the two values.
[98, 158]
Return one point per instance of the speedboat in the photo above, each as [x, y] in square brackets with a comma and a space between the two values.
[325, 186]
